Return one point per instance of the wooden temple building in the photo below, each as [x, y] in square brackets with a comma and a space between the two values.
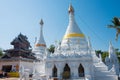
[21, 54]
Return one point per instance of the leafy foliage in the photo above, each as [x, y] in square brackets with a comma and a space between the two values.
[118, 54]
[105, 54]
[1, 52]
[51, 48]
[98, 52]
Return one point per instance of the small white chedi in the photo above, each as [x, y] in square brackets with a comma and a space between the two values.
[73, 59]
[112, 61]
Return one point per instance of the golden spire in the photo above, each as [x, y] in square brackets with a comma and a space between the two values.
[41, 22]
[71, 9]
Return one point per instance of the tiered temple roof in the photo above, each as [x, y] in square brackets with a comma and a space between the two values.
[21, 49]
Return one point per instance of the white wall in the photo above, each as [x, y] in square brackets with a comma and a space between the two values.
[73, 64]
[27, 65]
[13, 63]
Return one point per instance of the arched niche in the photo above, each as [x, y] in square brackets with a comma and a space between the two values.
[81, 72]
[66, 72]
[54, 71]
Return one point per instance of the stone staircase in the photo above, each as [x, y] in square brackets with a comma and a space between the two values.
[101, 71]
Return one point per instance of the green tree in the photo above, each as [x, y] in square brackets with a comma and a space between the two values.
[98, 52]
[1, 52]
[51, 48]
[118, 54]
[104, 55]
[116, 25]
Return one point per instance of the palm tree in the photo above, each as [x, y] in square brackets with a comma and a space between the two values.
[115, 25]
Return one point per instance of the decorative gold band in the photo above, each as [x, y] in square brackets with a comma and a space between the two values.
[37, 45]
[73, 35]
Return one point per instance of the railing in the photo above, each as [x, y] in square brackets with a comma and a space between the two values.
[80, 78]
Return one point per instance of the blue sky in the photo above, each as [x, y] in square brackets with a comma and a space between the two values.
[24, 16]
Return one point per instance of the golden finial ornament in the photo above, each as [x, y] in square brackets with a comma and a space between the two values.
[41, 22]
[71, 9]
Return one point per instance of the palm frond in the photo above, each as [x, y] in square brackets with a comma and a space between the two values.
[118, 27]
[111, 26]
[115, 25]
[119, 21]
[116, 21]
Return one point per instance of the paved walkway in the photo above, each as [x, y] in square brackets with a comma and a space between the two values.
[9, 79]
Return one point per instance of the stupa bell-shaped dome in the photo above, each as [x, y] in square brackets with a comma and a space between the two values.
[73, 32]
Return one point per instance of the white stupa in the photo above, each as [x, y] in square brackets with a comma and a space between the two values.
[40, 45]
[40, 53]
[74, 58]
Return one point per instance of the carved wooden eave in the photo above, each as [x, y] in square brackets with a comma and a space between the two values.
[16, 59]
